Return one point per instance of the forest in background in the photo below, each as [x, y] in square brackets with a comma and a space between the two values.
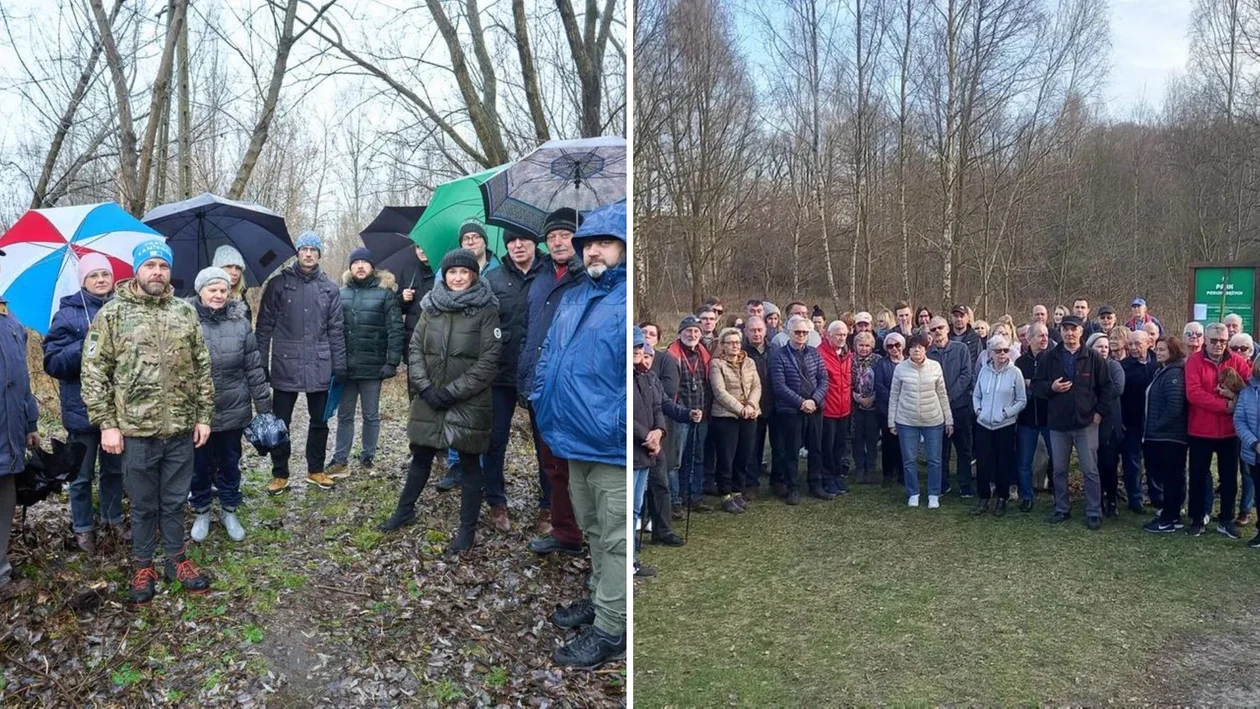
[937, 150]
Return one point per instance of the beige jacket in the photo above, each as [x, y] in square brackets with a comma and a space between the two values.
[732, 388]
[918, 396]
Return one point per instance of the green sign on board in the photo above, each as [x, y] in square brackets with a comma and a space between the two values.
[1221, 290]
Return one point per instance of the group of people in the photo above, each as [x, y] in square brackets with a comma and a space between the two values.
[1132, 399]
[160, 389]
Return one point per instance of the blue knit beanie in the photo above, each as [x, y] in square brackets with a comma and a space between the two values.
[154, 248]
[309, 240]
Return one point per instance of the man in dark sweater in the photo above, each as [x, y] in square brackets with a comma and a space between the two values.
[1032, 422]
[1139, 368]
[757, 347]
[1074, 382]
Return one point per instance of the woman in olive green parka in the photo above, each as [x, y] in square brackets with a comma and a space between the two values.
[453, 358]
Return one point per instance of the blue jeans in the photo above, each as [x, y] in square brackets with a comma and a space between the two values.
[217, 468]
[1026, 443]
[369, 392]
[933, 438]
[81, 513]
[1248, 489]
[688, 470]
[1131, 454]
[640, 487]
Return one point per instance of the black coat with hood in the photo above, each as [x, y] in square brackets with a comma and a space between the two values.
[301, 330]
[235, 365]
[511, 287]
[374, 325]
[456, 347]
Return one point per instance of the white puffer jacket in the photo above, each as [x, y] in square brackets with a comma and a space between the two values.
[918, 396]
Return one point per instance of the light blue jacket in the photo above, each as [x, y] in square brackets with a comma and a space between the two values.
[1247, 421]
[999, 396]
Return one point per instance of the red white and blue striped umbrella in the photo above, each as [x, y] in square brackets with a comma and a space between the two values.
[42, 252]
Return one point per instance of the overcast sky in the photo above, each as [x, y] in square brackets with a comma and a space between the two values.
[1149, 45]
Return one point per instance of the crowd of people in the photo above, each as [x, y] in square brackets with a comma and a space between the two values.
[160, 389]
[1135, 402]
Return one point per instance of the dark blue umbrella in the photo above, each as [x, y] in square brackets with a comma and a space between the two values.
[387, 237]
[196, 227]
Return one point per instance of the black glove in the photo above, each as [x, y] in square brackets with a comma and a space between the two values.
[445, 397]
[431, 398]
[388, 371]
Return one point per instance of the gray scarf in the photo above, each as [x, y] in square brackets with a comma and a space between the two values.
[441, 299]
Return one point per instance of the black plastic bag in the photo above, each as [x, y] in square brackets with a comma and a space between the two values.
[266, 433]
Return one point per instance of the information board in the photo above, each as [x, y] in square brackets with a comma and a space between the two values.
[1218, 290]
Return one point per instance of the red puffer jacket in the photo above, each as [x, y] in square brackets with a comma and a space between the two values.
[839, 401]
[1209, 415]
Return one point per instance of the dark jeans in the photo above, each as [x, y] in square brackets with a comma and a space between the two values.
[794, 430]
[890, 452]
[369, 392]
[752, 472]
[504, 403]
[658, 499]
[217, 467]
[157, 473]
[710, 462]
[82, 517]
[316, 435]
[1109, 467]
[995, 461]
[690, 464]
[964, 422]
[732, 442]
[1201, 450]
[470, 484]
[1132, 456]
[564, 526]
[865, 443]
[835, 449]
[1166, 467]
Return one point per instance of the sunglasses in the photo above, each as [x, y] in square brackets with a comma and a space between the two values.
[1240, 348]
[1002, 350]
[1217, 341]
[801, 332]
[892, 345]
[1195, 335]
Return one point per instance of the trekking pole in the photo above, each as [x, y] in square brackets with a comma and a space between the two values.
[691, 442]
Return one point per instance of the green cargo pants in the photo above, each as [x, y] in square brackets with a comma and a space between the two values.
[598, 492]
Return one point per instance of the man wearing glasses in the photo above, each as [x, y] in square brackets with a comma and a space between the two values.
[1193, 335]
[1106, 318]
[956, 363]
[800, 388]
[1210, 412]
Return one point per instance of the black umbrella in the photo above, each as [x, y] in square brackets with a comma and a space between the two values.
[197, 227]
[387, 238]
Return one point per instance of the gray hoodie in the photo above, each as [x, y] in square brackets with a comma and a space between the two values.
[999, 396]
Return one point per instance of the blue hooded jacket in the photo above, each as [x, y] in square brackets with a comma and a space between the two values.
[19, 412]
[63, 354]
[579, 391]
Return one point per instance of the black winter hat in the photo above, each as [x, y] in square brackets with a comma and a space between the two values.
[510, 235]
[362, 254]
[460, 258]
[474, 226]
[565, 218]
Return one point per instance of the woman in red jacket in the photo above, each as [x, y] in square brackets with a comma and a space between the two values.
[837, 406]
[1211, 426]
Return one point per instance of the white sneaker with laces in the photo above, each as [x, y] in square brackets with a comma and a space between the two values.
[201, 527]
[934, 501]
[914, 500]
[236, 532]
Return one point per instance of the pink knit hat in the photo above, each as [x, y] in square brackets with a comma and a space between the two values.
[93, 262]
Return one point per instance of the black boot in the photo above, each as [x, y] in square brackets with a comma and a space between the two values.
[591, 649]
[981, 507]
[574, 615]
[1001, 507]
[417, 478]
[469, 505]
[453, 479]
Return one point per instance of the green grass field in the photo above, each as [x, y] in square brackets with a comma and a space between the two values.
[863, 600]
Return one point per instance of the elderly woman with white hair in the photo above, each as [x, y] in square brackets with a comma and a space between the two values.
[1000, 394]
[890, 448]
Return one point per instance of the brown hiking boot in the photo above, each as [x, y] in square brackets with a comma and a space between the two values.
[86, 541]
[321, 480]
[182, 569]
[543, 526]
[499, 517]
[277, 486]
[337, 471]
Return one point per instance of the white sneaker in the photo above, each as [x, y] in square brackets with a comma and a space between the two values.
[201, 527]
[235, 531]
[934, 501]
[914, 501]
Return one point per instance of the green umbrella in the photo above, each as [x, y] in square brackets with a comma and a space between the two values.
[451, 205]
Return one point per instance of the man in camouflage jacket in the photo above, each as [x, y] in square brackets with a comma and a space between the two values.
[147, 386]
